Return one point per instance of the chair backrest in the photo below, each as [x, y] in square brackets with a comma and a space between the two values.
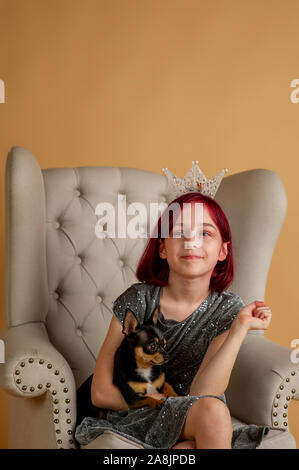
[59, 272]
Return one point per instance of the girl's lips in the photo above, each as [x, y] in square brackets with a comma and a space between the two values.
[192, 257]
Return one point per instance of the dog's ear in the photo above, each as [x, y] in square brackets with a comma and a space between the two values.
[154, 317]
[130, 323]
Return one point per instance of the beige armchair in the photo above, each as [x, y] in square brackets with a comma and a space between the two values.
[61, 281]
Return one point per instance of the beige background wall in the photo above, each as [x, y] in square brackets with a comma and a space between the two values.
[154, 83]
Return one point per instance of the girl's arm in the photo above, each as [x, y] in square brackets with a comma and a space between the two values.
[214, 377]
[104, 394]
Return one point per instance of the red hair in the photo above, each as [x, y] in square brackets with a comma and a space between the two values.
[152, 269]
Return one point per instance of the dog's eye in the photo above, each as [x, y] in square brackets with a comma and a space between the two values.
[152, 347]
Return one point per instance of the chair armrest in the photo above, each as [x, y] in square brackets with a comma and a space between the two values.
[33, 367]
[262, 383]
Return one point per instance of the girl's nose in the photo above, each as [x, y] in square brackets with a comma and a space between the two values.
[193, 243]
[188, 233]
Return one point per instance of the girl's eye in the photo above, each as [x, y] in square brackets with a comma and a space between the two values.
[182, 233]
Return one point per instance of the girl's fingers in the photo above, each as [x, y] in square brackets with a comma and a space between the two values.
[266, 316]
[263, 314]
[260, 311]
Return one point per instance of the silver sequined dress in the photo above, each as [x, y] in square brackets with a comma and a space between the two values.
[187, 342]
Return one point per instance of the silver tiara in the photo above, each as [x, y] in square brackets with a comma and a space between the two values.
[194, 180]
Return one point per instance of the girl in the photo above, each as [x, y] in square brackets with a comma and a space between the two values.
[204, 325]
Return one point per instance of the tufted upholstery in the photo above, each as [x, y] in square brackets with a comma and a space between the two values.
[61, 281]
[85, 273]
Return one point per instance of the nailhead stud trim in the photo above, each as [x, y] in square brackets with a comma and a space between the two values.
[31, 388]
[285, 397]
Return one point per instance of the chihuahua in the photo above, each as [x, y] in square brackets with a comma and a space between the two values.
[138, 361]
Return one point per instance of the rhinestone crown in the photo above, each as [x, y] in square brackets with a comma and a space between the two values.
[194, 180]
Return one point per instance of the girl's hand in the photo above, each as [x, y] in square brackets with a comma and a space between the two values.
[255, 316]
[158, 396]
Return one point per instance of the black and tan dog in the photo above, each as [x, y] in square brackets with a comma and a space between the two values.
[138, 361]
[138, 369]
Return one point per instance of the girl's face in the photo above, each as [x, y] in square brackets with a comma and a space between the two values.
[203, 256]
